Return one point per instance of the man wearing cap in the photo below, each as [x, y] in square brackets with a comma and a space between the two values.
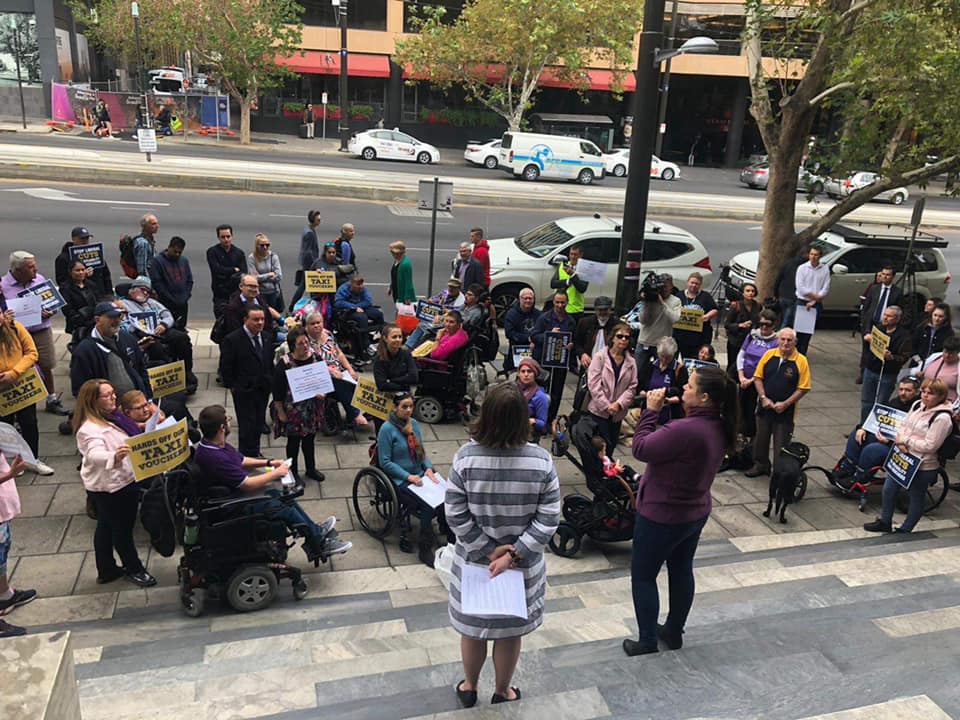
[518, 326]
[22, 277]
[587, 338]
[148, 318]
[110, 352]
[449, 299]
[99, 277]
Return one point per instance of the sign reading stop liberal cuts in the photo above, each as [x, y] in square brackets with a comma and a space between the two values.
[366, 398]
[320, 281]
[155, 452]
[901, 467]
[884, 421]
[27, 391]
[556, 354]
[168, 379]
[50, 298]
[90, 255]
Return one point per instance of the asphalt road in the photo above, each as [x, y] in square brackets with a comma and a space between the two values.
[709, 181]
[40, 221]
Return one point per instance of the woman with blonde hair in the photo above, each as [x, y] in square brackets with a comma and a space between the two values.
[401, 275]
[265, 264]
[108, 477]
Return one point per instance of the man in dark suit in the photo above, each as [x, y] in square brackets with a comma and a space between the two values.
[246, 366]
[879, 296]
[467, 269]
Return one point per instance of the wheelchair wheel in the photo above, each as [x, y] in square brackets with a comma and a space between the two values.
[428, 410]
[475, 373]
[194, 603]
[565, 541]
[801, 489]
[375, 502]
[252, 587]
[332, 420]
[934, 497]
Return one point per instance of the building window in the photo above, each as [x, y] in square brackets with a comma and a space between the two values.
[411, 12]
[361, 14]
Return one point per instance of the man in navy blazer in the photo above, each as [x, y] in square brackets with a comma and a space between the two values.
[246, 366]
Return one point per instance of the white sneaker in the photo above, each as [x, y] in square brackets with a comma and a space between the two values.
[43, 469]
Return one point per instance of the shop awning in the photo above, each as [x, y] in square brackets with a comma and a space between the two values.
[324, 62]
[596, 79]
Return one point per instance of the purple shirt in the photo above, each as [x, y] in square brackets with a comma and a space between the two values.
[11, 289]
[221, 466]
[682, 460]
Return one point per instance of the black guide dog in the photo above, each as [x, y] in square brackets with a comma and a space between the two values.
[788, 482]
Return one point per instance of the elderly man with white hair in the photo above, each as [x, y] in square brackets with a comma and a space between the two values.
[23, 276]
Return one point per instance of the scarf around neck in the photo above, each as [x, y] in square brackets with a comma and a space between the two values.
[413, 442]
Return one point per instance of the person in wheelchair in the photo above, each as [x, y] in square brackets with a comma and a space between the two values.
[355, 301]
[472, 310]
[449, 299]
[400, 454]
[866, 450]
[450, 338]
[538, 402]
[80, 294]
[325, 347]
[921, 433]
[518, 323]
[222, 465]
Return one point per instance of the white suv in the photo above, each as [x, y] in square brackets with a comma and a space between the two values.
[529, 260]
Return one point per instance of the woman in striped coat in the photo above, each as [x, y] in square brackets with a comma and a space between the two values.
[503, 505]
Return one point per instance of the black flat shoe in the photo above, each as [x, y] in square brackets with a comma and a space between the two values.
[110, 576]
[467, 698]
[673, 640]
[315, 475]
[497, 698]
[142, 578]
[633, 648]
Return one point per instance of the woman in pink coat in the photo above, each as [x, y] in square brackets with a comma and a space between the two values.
[612, 381]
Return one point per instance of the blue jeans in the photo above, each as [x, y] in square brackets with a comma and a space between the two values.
[918, 495]
[788, 309]
[863, 457]
[876, 386]
[292, 515]
[421, 333]
[653, 544]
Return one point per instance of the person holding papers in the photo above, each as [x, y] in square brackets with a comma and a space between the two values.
[503, 505]
[813, 285]
[921, 433]
[401, 456]
[325, 347]
[297, 421]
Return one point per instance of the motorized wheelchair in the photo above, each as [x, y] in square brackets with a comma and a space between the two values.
[453, 388]
[354, 342]
[230, 551]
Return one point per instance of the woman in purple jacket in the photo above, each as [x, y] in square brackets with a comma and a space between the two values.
[673, 500]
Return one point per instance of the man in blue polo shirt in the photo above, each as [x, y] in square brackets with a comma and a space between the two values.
[223, 465]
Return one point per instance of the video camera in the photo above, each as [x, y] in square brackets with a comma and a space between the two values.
[652, 287]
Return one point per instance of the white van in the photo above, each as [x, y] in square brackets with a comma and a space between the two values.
[532, 156]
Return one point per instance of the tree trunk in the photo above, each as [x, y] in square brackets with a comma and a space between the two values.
[245, 105]
[893, 147]
[779, 235]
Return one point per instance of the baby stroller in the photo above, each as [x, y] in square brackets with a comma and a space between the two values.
[606, 517]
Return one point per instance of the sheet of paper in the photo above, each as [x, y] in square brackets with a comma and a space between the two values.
[806, 320]
[430, 492]
[592, 272]
[11, 445]
[169, 422]
[153, 421]
[485, 596]
[26, 309]
[308, 381]
[347, 377]
[289, 480]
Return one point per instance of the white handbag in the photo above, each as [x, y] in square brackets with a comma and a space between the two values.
[443, 564]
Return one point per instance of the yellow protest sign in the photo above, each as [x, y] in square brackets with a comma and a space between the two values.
[424, 348]
[879, 342]
[27, 391]
[321, 281]
[155, 452]
[168, 379]
[366, 398]
[691, 318]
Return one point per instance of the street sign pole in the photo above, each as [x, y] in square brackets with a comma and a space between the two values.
[433, 236]
[135, 11]
[323, 101]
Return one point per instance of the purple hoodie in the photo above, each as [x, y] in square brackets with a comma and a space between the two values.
[753, 348]
[682, 460]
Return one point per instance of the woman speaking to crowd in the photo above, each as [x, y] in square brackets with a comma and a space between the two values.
[673, 500]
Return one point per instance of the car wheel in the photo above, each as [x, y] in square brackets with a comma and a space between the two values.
[531, 172]
[897, 199]
[491, 162]
[667, 175]
[619, 170]
[504, 297]
[585, 177]
[423, 158]
[369, 154]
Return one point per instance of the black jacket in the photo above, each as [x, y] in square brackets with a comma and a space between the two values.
[172, 281]
[545, 323]
[80, 305]
[586, 334]
[241, 368]
[102, 282]
[518, 325]
[900, 350]
[224, 275]
[872, 299]
[737, 314]
[927, 340]
[473, 274]
[397, 373]
[785, 286]
[233, 315]
[89, 361]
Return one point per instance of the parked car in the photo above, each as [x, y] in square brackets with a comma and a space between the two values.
[837, 188]
[483, 153]
[758, 176]
[530, 259]
[854, 258]
[617, 163]
[392, 145]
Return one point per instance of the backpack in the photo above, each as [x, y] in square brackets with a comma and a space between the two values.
[128, 260]
[218, 331]
[951, 444]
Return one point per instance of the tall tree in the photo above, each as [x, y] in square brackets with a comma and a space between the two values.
[498, 49]
[23, 35]
[239, 41]
[895, 97]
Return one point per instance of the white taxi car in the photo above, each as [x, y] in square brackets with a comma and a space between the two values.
[483, 153]
[617, 162]
[392, 145]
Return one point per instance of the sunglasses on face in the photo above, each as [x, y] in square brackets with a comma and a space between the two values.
[621, 336]
[766, 324]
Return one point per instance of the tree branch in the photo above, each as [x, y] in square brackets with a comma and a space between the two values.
[830, 91]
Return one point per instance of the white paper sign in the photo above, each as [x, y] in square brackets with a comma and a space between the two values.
[288, 480]
[147, 140]
[12, 444]
[806, 321]
[153, 420]
[26, 309]
[485, 596]
[592, 272]
[308, 381]
[432, 493]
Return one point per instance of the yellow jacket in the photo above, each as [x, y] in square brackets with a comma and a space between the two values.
[19, 356]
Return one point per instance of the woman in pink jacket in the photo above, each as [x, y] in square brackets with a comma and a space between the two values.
[451, 337]
[612, 381]
[921, 433]
[108, 477]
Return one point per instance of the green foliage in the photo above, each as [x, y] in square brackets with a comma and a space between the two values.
[26, 40]
[459, 118]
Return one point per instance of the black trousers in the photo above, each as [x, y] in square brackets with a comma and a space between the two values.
[179, 313]
[558, 378]
[296, 443]
[178, 345]
[116, 516]
[251, 408]
[28, 427]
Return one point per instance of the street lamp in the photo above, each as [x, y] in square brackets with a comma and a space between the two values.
[343, 125]
[14, 26]
[649, 59]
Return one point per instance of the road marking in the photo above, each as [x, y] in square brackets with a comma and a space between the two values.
[755, 227]
[63, 196]
[406, 211]
[283, 215]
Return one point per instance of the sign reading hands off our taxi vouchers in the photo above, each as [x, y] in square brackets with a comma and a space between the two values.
[691, 318]
[168, 379]
[155, 452]
[879, 342]
[366, 398]
[321, 281]
[27, 391]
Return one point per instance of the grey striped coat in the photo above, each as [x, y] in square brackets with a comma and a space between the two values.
[500, 497]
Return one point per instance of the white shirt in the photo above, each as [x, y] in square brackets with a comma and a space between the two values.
[812, 280]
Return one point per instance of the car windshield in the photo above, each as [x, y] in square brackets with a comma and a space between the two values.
[542, 240]
[825, 247]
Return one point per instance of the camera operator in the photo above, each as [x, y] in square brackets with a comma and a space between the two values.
[653, 317]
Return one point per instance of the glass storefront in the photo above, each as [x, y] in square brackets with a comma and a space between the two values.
[361, 14]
